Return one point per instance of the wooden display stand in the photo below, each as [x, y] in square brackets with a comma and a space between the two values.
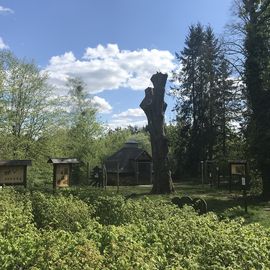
[62, 171]
[14, 172]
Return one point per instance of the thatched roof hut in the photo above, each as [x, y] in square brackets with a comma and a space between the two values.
[133, 164]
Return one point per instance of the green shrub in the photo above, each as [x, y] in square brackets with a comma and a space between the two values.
[65, 250]
[115, 210]
[110, 210]
[114, 233]
[123, 248]
[186, 241]
[16, 211]
[48, 250]
[18, 234]
[256, 185]
[145, 210]
[86, 194]
[59, 212]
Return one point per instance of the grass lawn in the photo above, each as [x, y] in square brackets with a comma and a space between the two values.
[218, 200]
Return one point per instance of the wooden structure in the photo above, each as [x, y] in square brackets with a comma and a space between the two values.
[237, 170]
[130, 165]
[98, 177]
[14, 172]
[154, 107]
[62, 171]
[210, 172]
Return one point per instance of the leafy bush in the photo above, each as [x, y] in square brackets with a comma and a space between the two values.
[17, 232]
[123, 248]
[146, 210]
[49, 250]
[256, 185]
[187, 241]
[16, 211]
[110, 210]
[59, 212]
[114, 233]
[115, 210]
[65, 250]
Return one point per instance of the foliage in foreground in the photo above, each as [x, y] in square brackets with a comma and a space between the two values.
[114, 233]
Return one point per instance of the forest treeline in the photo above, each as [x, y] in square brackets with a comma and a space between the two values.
[222, 104]
[222, 93]
[36, 125]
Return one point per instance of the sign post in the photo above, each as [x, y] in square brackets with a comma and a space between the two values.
[202, 172]
[218, 177]
[244, 186]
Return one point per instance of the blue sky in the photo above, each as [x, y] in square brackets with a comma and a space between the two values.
[114, 45]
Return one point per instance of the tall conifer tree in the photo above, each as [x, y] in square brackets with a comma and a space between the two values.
[204, 93]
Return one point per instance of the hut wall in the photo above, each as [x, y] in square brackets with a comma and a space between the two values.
[145, 171]
[127, 179]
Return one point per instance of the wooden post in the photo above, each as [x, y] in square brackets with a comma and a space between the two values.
[118, 179]
[202, 173]
[24, 177]
[137, 172]
[54, 176]
[104, 175]
[151, 172]
[218, 177]
[87, 172]
[70, 175]
[230, 180]
[244, 187]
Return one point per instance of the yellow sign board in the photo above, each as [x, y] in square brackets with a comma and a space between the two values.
[62, 175]
[12, 174]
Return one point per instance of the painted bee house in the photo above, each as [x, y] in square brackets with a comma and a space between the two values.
[62, 171]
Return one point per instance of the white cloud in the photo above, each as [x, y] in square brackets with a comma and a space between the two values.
[111, 50]
[65, 103]
[123, 123]
[130, 117]
[130, 113]
[5, 10]
[3, 45]
[101, 104]
[106, 68]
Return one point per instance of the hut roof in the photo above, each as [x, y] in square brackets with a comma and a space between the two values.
[238, 161]
[124, 156]
[63, 160]
[15, 162]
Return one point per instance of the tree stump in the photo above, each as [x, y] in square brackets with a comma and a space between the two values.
[154, 107]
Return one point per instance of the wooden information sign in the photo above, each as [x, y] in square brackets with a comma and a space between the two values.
[13, 172]
[238, 168]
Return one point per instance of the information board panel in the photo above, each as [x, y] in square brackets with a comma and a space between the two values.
[238, 169]
[62, 175]
[12, 174]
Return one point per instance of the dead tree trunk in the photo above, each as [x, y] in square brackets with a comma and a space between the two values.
[154, 107]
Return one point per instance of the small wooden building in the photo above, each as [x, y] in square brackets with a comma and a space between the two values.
[132, 164]
[62, 171]
[14, 172]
